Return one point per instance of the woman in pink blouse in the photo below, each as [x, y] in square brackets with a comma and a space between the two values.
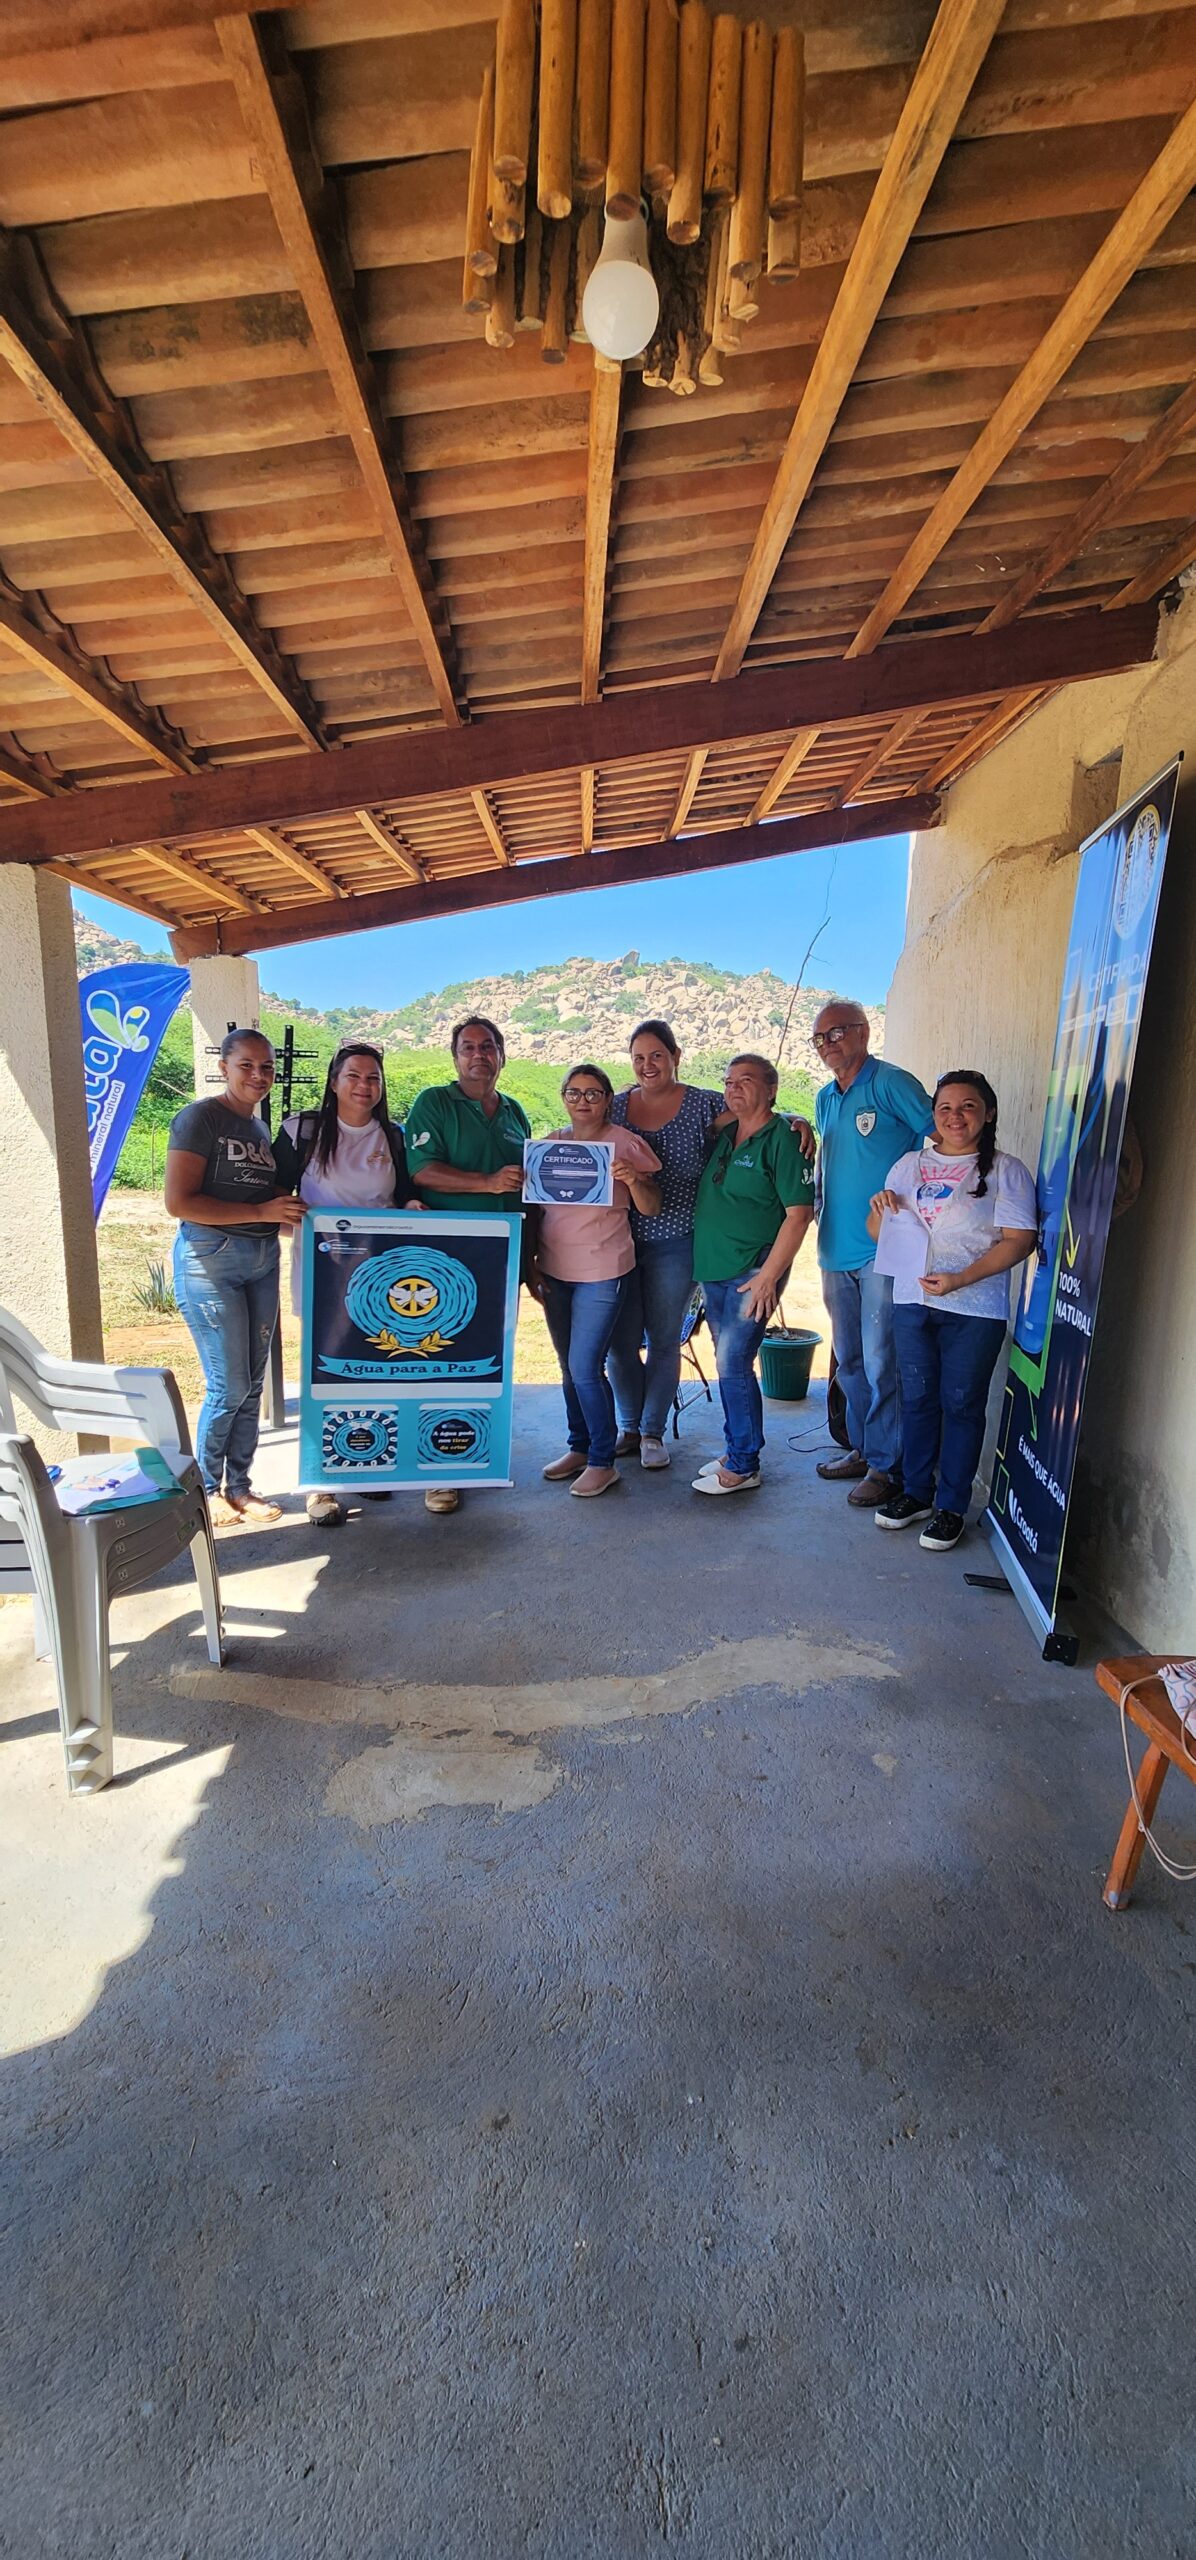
[583, 1258]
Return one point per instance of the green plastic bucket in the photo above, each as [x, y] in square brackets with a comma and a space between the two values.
[785, 1360]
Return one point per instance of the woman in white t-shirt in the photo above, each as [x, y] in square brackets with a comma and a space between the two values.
[346, 1155]
[979, 1212]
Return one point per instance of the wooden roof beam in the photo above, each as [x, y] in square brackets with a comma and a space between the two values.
[1158, 573]
[690, 780]
[50, 355]
[600, 486]
[28, 777]
[587, 779]
[272, 104]
[1101, 508]
[554, 879]
[894, 736]
[955, 49]
[66, 666]
[78, 22]
[390, 843]
[782, 774]
[1150, 208]
[987, 733]
[98, 887]
[624, 728]
[494, 833]
[292, 860]
[191, 876]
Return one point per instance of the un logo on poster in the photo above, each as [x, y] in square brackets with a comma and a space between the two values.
[411, 1300]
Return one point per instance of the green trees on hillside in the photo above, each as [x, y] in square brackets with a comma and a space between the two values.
[534, 1082]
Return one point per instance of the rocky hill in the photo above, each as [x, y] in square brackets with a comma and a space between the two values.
[95, 949]
[572, 1005]
[596, 1004]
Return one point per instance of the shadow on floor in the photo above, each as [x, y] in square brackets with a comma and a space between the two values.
[764, 2143]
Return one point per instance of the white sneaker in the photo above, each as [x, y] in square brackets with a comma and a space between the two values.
[712, 1466]
[714, 1483]
[653, 1453]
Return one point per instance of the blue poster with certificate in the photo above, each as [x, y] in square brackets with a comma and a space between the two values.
[574, 1173]
[408, 1366]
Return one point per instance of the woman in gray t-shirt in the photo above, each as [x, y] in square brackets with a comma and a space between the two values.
[222, 1186]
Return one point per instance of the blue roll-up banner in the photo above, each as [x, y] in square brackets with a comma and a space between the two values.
[408, 1373]
[1104, 979]
[125, 1013]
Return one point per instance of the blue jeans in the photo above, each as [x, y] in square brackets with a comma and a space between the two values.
[860, 1307]
[658, 1293]
[581, 1319]
[227, 1288]
[946, 1364]
[737, 1339]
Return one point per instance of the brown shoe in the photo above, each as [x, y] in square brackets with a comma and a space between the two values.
[595, 1480]
[324, 1511]
[628, 1442]
[574, 1463]
[223, 1514]
[442, 1497]
[255, 1506]
[836, 1470]
[872, 1489]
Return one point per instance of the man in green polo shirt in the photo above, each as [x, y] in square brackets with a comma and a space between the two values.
[755, 1202]
[465, 1144]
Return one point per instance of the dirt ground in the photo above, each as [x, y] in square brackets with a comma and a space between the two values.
[135, 1233]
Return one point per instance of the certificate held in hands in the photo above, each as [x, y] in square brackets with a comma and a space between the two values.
[575, 1173]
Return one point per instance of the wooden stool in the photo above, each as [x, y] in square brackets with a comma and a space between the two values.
[1150, 1708]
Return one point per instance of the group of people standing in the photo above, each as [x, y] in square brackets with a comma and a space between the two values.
[712, 1189]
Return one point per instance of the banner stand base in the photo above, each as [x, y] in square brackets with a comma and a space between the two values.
[1057, 1644]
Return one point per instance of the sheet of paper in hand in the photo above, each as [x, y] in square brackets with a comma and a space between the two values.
[901, 1246]
[573, 1173]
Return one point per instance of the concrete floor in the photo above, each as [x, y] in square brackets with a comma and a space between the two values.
[597, 2031]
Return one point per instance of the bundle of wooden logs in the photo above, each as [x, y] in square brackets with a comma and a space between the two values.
[594, 104]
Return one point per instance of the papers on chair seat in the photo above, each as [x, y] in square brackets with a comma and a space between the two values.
[902, 1246]
[111, 1481]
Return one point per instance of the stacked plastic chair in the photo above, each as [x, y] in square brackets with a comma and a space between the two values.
[76, 1565]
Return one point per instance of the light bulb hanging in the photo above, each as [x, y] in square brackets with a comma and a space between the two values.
[621, 306]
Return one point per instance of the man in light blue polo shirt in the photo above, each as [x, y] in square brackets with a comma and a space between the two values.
[868, 1115]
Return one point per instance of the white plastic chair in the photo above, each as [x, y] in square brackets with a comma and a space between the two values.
[75, 1565]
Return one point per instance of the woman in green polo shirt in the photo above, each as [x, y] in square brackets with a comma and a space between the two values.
[755, 1202]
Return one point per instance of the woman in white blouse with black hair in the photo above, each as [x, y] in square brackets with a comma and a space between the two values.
[348, 1154]
[980, 1212]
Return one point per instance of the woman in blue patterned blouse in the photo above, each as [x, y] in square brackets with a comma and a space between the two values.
[678, 1121]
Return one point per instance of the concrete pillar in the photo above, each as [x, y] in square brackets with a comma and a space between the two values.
[223, 990]
[49, 1274]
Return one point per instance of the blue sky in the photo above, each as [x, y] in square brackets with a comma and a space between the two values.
[757, 916]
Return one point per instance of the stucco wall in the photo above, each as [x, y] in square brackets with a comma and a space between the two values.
[223, 990]
[48, 1272]
[978, 984]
